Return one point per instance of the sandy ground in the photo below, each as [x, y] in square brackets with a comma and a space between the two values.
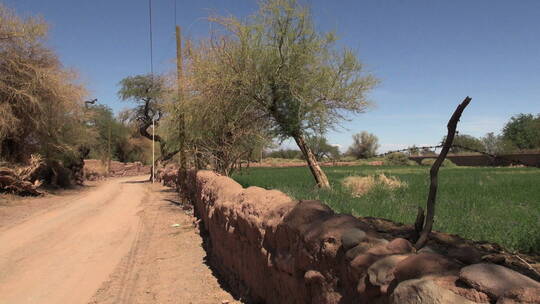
[116, 242]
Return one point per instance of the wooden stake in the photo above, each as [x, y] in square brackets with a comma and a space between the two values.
[433, 173]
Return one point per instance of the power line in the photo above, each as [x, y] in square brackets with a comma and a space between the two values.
[151, 38]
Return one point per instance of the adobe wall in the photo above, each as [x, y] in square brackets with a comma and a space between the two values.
[272, 249]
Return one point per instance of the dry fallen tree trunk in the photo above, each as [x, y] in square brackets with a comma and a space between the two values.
[22, 181]
[428, 224]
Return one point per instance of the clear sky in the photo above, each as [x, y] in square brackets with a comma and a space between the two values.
[428, 54]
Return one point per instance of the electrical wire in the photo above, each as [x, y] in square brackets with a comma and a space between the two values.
[151, 38]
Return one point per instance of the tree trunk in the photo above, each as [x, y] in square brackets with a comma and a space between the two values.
[318, 173]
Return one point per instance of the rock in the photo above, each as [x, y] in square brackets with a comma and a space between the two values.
[399, 246]
[369, 245]
[452, 283]
[522, 295]
[351, 238]
[494, 258]
[366, 290]
[355, 251]
[361, 263]
[313, 276]
[494, 279]
[427, 249]
[422, 264]
[466, 254]
[424, 291]
[382, 272]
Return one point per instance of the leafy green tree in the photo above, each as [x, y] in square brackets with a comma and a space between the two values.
[293, 74]
[148, 92]
[496, 144]
[285, 153]
[364, 145]
[223, 127]
[467, 141]
[115, 139]
[523, 131]
[321, 148]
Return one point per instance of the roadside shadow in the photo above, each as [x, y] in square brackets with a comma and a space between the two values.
[136, 182]
[168, 190]
[173, 202]
[234, 287]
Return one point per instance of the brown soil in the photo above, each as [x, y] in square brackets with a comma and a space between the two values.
[113, 243]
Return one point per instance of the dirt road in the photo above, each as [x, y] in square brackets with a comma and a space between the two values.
[124, 241]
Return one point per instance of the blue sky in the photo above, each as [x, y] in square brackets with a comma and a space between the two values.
[428, 54]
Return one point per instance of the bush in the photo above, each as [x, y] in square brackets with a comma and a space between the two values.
[398, 159]
[431, 161]
[348, 158]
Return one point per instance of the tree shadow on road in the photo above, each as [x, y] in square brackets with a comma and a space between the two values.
[136, 182]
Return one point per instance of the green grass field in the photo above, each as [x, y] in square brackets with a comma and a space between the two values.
[500, 205]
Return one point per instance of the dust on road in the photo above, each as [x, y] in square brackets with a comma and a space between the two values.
[116, 243]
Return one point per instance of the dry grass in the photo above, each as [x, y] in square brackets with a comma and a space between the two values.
[360, 185]
[391, 182]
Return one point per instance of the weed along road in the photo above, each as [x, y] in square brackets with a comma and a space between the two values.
[123, 241]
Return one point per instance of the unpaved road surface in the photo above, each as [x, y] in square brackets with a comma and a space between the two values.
[123, 241]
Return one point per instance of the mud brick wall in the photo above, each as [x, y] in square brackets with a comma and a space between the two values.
[272, 249]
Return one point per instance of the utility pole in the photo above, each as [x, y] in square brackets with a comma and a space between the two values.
[181, 122]
[153, 149]
[110, 154]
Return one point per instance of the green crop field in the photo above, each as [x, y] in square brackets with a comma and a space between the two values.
[500, 205]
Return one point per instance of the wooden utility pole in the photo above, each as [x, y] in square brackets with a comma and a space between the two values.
[181, 122]
[110, 152]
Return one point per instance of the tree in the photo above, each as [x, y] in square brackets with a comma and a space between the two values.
[285, 153]
[321, 148]
[465, 143]
[115, 139]
[41, 107]
[148, 92]
[364, 145]
[294, 75]
[222, 126]
[496, 144]
[523, 131]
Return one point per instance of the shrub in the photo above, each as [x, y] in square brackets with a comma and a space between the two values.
[364, 145]
[431, 161]
[398, 159]
[348, 158]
